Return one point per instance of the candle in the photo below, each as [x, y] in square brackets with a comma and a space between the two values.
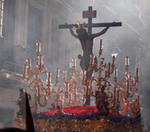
[137, 76]
[67, 89]
[74, 62]
[113, 60]
[99, 73]
[114, 55]
[113, 63]
[40, 60]
[57, 76]
[101, 47]
[58, 72]
[93, 74]
[116, 73]
[101, 44]
[24, 73]
[38, 47]
[74, 65]
[65, 75]
[127, 61]
[49, 77]
[29, 65]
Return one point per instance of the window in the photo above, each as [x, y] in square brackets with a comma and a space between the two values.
[1, 16]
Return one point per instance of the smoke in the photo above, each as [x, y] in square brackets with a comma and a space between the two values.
[132, 39]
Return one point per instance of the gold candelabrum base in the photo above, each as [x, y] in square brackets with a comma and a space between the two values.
[123, 98]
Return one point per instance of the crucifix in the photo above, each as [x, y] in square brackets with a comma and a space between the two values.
[90, 14]
[86, 40]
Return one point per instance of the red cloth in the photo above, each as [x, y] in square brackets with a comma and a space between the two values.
[77, 110]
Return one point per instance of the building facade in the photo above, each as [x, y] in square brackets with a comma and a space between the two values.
[26, 22]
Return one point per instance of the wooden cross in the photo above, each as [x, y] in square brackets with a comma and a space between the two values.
[90, 14]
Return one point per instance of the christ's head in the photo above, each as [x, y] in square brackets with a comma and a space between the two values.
[82, 33]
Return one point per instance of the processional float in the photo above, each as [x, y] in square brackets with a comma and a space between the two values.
[116, 98]
[71, 90]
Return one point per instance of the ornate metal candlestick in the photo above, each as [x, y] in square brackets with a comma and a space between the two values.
[75, 89]
[35, 83]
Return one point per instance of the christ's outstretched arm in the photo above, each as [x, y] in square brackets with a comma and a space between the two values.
[72, 33]
[99, 33]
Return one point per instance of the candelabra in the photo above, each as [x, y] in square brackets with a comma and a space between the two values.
[66, 93]
[35, 83]
[123, 98]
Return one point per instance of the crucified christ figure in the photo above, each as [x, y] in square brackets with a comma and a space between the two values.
[86, 41]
